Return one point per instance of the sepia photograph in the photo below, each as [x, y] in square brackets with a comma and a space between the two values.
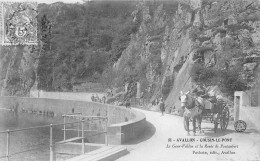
[129, 80]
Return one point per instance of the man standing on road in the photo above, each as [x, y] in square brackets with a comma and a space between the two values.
[162, 106]
[104, 99]
[92, 97]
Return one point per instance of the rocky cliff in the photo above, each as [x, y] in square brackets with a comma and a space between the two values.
[182, 43]
[168, 47]
[18, 70]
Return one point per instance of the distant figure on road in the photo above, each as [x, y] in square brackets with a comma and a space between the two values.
[104, 99]
[153, 103]
[157, 101]
[92, 97]
[128, 104]
[97, 98]
[162, 106]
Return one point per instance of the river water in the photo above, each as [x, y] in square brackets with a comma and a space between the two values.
[29, 139]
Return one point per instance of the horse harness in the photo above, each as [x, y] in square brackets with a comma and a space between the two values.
[195, 103]
[194, 109]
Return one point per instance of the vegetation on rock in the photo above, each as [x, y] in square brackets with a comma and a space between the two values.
[150, 42]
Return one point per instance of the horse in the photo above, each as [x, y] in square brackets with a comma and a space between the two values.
[193, 109]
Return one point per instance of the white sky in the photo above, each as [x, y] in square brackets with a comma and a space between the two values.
[53, 1]
[45, 1]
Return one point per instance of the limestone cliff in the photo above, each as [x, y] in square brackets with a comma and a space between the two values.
[173, 45]
[17, 66]
[220, 37]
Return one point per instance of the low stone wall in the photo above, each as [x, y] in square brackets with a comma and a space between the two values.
[81, 96]
[126, 122]
[244, 111]
[251, 115]
[125, 131]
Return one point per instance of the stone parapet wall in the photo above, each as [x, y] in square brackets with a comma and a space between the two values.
[251, 115]
[119, 117]
[244, 111]
[81, 96]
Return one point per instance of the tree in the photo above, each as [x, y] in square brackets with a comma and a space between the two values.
[45, 64]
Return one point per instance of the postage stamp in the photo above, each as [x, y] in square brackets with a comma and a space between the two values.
[18, 23]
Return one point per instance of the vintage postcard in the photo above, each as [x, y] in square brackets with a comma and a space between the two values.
[18, 23]
[130, 80]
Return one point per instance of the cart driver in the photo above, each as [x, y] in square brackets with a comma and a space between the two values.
[199, 90]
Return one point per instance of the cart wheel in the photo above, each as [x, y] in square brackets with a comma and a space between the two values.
[224, 119]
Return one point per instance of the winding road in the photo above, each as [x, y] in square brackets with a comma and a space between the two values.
[153, 144]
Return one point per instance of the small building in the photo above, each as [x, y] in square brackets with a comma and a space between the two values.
[247, 107]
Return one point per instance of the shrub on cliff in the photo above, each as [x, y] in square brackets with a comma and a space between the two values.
[203, 49]
[237, 27]
[229, 80]
[201, 74]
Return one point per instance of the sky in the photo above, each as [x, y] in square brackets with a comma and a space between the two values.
[53, 1]
[49, 1]
[46, 1]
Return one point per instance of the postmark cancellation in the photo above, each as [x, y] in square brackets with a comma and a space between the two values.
[18, 22]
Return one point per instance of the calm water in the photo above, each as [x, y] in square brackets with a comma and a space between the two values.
[29, 139]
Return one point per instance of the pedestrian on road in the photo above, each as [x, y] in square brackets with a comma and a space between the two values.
[127, 103]
[92, 97]
[104, 99]
[97, 98]
[157, 101]
[162, 106]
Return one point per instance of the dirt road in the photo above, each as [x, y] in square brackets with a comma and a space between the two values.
[154, 143]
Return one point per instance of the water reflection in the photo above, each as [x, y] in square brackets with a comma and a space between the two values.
[29, 139]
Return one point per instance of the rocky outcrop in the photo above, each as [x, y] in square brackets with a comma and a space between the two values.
[172, 36]
[17, 70]
[211, 33]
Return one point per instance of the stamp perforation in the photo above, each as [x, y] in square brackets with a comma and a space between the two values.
[18, 26]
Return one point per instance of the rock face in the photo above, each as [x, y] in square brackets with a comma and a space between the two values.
[209, 32]
[173, 36]
[250, 66]
[17, 70]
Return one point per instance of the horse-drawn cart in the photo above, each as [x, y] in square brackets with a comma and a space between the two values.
[204, 108]
[217, 113]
